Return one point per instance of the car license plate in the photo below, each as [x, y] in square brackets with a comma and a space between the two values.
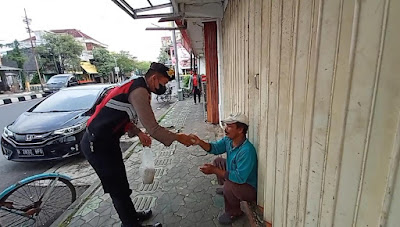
[30, 152]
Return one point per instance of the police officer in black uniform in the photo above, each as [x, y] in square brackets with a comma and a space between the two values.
[117, 114]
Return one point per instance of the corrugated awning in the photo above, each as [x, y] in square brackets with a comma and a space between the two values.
[138, 8]
[89, 68]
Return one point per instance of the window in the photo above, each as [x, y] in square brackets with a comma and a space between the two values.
[57, 79]
[73, 79]
[68, 100]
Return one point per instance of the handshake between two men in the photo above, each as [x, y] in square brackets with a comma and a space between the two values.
[187, 140]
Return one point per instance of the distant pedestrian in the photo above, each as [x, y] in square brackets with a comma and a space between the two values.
[196, 81]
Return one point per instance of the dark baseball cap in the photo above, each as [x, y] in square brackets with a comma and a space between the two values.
[164, 70]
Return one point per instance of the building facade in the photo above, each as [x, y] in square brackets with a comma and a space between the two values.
[319, 82]
[183, 54]
[88, 43]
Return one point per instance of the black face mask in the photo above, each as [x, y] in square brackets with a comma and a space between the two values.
[161, 90]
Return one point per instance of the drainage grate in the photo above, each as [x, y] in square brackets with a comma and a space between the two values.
[160, 172]
[163, 162]
[144, 202]
[149, 187]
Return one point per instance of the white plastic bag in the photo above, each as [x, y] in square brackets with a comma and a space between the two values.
[146, 169]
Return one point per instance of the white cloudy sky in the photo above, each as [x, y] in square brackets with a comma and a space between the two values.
[100, 19]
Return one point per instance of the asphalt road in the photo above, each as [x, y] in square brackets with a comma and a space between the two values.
[11, 172]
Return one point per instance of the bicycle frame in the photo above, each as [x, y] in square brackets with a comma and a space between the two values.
[187, 92]
[20, 213]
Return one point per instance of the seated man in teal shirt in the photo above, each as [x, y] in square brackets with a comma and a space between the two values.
[238, 173]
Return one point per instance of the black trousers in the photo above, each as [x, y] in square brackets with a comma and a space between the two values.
[105, 156]
[197, 92]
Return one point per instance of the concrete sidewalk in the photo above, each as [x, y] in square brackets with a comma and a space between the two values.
[180, 195]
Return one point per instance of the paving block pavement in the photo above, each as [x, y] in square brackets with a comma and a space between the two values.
[180, 195]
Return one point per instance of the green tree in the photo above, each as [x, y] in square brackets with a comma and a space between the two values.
[103, 61]
[141, 67]
[163, 57]
[60, 52]
[125, 61]
[19, 57]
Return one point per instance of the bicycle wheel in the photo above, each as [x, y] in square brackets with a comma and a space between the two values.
[36, 201]
[163, 98]
[158, 98]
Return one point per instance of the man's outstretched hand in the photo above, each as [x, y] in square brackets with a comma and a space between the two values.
[195, 139]
[203, 144]
[185, 139]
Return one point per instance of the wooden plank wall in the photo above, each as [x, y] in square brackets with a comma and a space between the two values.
[319, 81]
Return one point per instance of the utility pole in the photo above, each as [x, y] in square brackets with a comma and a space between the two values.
[176, 59]
[28, 21]
[116, 69]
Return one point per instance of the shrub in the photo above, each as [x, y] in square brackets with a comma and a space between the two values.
[35, 79]
[186, 79]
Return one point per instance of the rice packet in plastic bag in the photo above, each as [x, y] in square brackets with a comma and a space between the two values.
[147, 169]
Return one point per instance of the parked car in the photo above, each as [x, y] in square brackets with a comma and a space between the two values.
[53, 128]
[55, 83]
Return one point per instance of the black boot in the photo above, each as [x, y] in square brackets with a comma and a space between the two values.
[143, 215]
[153, 225]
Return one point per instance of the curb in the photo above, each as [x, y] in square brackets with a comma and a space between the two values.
[21, 98]
[74, 207]
[80, 201]
[167, 111]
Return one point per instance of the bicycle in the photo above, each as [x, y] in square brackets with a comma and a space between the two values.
[37, 200]
[166, 96]
[187, 92]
